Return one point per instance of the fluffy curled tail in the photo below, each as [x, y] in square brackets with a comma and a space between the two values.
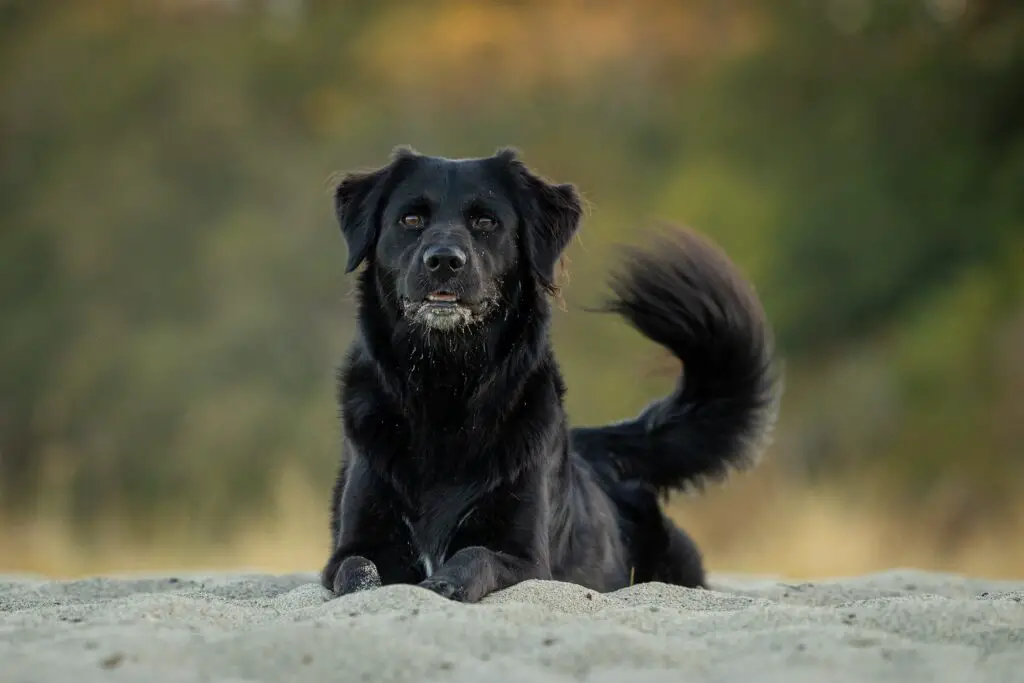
[685, 294]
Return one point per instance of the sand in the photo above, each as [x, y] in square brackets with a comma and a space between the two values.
[900, 626]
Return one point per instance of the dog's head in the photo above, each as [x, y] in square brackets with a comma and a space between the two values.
[446, 237]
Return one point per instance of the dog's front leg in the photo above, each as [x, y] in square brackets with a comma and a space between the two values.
[475, 572]
[350, 574]
[372, 544]
[359, 566]
[503, 542]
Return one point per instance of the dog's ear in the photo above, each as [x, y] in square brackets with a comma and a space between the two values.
[551, 218]
[357, 200]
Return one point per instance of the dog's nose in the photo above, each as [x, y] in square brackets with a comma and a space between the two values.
[439, 258]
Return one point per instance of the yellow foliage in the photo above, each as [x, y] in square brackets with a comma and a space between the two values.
[474, 51]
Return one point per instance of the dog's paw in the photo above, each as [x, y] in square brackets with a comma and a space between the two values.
[445, 588]
[356, 574]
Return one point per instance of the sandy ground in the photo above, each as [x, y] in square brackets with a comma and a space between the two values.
[900, 626]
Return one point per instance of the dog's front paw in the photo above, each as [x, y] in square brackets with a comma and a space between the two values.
[356, 574]
[445, 588]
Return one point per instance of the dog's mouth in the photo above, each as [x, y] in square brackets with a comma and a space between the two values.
[441, 300]
[445, 310]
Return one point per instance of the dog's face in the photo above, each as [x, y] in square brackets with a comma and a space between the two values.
[448, 238]
[445, 235]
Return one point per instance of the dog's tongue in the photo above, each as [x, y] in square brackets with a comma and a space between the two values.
[444, 297]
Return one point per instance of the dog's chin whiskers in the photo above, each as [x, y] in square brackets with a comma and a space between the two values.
[448, 321]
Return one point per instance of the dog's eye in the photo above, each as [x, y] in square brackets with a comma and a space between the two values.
[412, 220]
[484, 223]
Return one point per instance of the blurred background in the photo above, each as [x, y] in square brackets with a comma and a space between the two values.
[173, 304]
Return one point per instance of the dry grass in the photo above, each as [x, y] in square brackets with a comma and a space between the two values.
[757, 524]
[765, 526]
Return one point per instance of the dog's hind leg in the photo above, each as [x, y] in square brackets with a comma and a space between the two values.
[659, 550]
[665, 553]
[681, 563]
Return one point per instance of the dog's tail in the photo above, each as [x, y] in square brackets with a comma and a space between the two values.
[686, 295]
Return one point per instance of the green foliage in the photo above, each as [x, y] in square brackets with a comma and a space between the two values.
[172, 302]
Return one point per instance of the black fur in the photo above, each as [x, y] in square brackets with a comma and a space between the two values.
[459, 470]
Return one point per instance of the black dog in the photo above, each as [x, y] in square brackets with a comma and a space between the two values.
[459, 471]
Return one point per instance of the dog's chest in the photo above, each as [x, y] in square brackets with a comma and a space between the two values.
[433, 527]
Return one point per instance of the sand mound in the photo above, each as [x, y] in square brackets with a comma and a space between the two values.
[901, 626]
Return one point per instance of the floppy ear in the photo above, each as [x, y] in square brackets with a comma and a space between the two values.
[551, 218]
[357, 199]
